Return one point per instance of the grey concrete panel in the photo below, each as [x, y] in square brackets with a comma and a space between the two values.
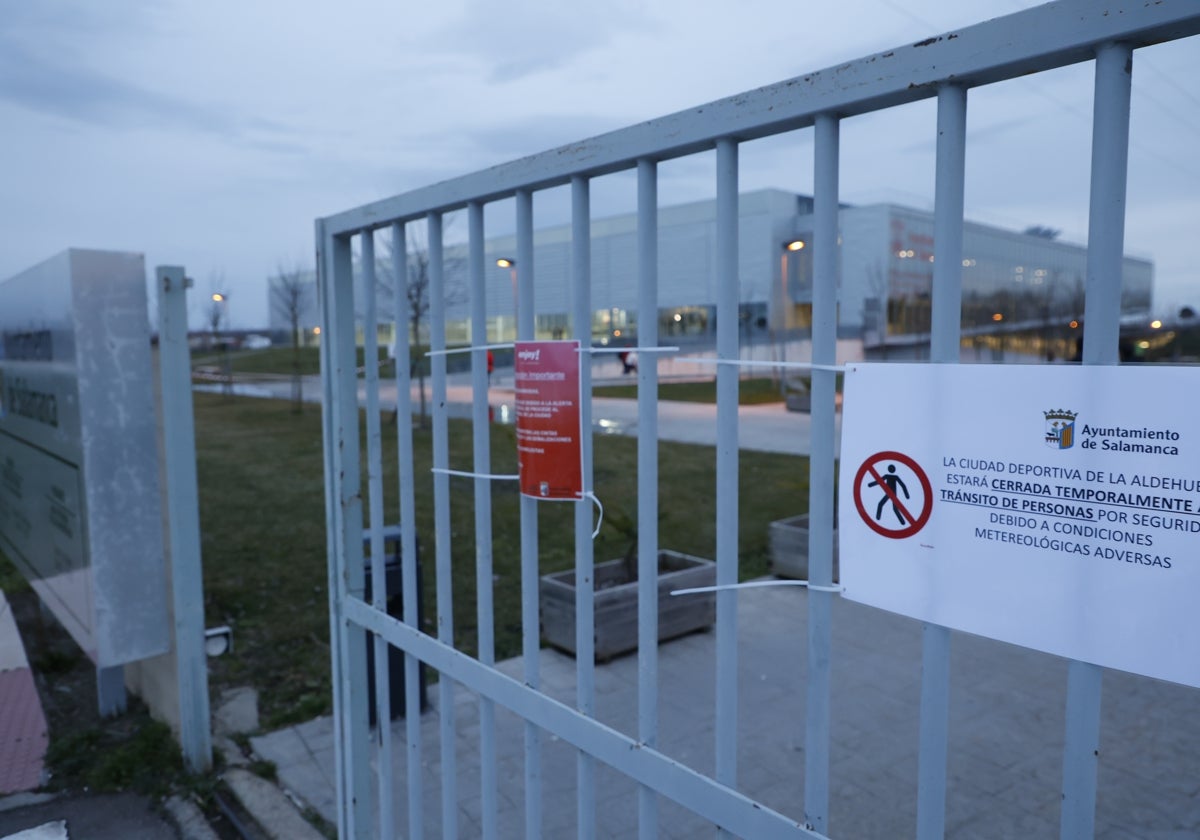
[80, 509]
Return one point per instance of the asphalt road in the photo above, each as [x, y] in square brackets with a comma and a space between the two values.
[119, 816]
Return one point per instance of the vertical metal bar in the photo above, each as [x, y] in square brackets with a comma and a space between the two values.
[647, 477]
[441, 524]
[945, 340]
[480, 427]
[826, 161]
[727, 460]
[379, 593]
[1081, 750]
[526, 316]
[187, 578]
[1101, 323]
[1106, 209]
[342, 416]
[325, 270]
[530, 623]
[949, 189]
[585, 699]
[408, 524]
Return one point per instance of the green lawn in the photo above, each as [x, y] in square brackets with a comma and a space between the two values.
[273, 360]
[750, 391]
[282, 360]
[262, 519]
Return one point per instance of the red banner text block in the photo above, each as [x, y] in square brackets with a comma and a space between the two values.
[548, 433]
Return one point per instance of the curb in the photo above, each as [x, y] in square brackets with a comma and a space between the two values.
[189, 819]
[274, 812]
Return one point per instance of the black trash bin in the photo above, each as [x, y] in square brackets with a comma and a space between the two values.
[394, 581]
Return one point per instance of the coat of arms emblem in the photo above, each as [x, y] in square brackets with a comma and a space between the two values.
[1060, 428]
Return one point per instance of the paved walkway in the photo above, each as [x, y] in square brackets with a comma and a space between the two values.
[23, 731]
[1006, 736]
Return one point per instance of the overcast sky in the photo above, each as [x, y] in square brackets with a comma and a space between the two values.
[212, 134]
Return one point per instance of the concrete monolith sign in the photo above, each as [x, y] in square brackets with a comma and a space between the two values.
[80, 510]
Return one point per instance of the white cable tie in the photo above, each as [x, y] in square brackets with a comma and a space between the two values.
[754, 363]
[465, 474]
[755, 584]
[450, 351]
[631, 349]
[590, 495]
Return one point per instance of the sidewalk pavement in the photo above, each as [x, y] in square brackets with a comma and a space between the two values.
[23, 731]
[1006, 732]
[114, 816]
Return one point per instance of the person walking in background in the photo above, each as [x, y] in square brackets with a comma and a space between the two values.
[628, 361]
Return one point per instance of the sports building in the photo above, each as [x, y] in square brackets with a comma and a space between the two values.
[1022, 292]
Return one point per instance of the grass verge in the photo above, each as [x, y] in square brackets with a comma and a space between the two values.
[262, 513]
[750, 391]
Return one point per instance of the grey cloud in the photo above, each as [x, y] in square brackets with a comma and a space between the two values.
[521, 39]
[51, 83]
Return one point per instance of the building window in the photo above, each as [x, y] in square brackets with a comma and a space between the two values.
[685, 321]
[554, 327]
[752, 318]
[614, 325]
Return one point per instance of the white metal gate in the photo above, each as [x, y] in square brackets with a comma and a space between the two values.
[945, 67]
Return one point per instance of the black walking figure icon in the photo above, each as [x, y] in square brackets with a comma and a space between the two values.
[891, 480]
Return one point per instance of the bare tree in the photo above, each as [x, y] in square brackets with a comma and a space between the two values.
[289, 291]
[418, 293]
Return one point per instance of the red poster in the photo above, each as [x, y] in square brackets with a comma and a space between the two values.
[548, 434]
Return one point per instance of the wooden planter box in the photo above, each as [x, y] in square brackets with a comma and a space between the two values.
[616, 603]
[796, 395]
[798, 401]
[789, 547]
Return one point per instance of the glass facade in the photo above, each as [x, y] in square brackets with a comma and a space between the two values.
[1021, 291]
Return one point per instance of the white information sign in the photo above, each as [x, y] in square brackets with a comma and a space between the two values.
[1051, 506]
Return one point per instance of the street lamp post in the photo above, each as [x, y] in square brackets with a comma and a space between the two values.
[511, 265]
[221, 312]
[789, 248]
[780, 321]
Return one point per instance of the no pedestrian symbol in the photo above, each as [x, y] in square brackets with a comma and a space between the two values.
[898, 495]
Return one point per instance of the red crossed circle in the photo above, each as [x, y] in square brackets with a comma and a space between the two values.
[916, 523]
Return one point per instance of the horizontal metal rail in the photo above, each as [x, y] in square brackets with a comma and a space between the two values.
[704, 796]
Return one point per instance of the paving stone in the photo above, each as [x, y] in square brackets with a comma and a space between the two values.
[236, 712]
[1004, 756]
